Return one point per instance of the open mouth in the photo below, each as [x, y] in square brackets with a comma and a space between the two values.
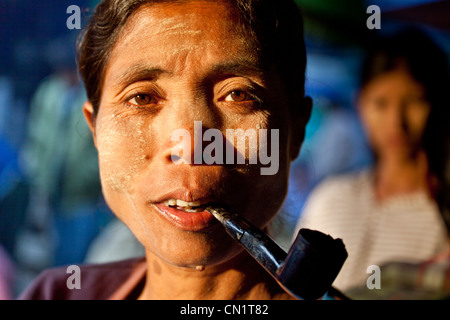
[196, 206]
[189, 216]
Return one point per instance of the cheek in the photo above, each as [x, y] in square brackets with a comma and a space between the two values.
[373, 123]
[371, 117]
[417, 120]
[269, 190]
[123, 147]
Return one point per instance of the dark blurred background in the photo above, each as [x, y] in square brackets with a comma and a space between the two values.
[51, 207]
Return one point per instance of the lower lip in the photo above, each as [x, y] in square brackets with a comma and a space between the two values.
[187, 221]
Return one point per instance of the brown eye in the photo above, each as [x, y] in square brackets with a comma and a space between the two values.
[238, 96]
[142, 100]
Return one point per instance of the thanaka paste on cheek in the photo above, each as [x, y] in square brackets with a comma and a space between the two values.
[131, 151]
[123, 143]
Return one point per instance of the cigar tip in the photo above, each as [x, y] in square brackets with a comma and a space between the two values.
[216, 213]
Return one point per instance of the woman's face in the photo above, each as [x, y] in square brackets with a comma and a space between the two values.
[394, 112]
[174, 65]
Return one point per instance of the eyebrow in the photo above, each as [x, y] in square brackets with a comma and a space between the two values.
[239, 68]
[142, 72]
[139, 72]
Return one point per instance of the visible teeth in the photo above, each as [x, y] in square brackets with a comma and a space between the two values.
[181, 203]
[193, 210]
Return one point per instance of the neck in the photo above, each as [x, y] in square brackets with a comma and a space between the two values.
[239, 278]
[395, 176]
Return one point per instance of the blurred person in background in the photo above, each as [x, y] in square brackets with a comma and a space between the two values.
[65, 209]
[13, 189]
[429, 279]
[389, 212]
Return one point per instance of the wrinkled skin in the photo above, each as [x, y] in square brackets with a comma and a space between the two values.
[173, 65]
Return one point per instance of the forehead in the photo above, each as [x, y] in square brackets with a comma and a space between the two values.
[170, 35]
[175, 17]
[398, 82]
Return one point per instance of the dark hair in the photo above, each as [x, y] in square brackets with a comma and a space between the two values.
[443, 194]
[427, 63]
[413, 49]
[276, 27]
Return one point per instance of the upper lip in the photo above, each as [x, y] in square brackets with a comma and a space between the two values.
[188, 195]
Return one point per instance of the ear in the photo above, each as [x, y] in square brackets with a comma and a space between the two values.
[299, 121]
[88, 111]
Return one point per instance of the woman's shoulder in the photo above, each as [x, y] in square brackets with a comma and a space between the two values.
[337, 185]
[84, 282]
[337, 196]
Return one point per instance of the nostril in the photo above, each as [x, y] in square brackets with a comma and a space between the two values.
[176, 154]
[175, 158]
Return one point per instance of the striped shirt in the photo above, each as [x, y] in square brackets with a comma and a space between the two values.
[406, 228]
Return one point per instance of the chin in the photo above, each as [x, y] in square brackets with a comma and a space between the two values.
[197, 253]
[186, 248]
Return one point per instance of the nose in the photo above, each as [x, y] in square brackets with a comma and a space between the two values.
[185, 125]
[398, 117]
[188, 147]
